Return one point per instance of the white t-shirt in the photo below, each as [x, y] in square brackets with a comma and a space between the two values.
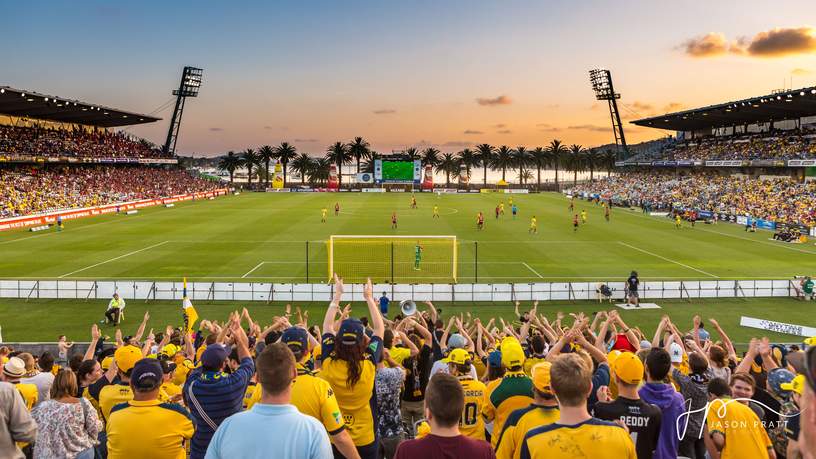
[43, 381]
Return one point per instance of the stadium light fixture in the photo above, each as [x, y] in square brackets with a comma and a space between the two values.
[191, 78]
[601, 81]
[46, 99]
[23, 95]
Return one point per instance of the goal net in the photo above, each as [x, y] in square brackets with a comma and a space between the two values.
[397, 259]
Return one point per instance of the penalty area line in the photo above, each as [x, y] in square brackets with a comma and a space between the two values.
[669, 260]
[115, 258]
[253, 269]
[533, 270]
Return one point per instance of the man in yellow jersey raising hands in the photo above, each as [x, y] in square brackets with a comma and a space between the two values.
[471, 424]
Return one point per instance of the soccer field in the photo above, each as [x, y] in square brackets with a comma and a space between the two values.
[262, 237]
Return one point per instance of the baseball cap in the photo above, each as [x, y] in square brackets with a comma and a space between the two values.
[459, 356]
[810, 341]
[704, 334]
[106, 363]
[628, 368]
[456, 341]
[494, 359]
[146, 374]
[676, 352]
[797, 384]
[512, 353]
[540, 373]
[126, 357]
[777, 377]
[214, 356]
[645, 344]
[170, 349]
[14, 368]
[622, 343]
[167, 365]
[612, 356]
[351, 331]
[296, 337]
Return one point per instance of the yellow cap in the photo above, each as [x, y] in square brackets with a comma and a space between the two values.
[811, 341]
[628, 368]
[106, 363]
[459, 356]
[512, 353]
[610, 358]
[796, 385]
[541, 376]
[126, 357]
[170, 350]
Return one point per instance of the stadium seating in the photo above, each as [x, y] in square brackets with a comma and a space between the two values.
[778, 200]
[777, 145]
[76, 143]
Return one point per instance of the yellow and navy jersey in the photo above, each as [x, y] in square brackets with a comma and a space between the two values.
[471, 424]
[739, 425]
[112, 395]
[592, 438]
[518, 424]
[399, 354]
[170, 389]
[513, 391]
[183, 368]
[252, 395]
[169, 425]
[530, 361]
[357, 403]
[29, 394]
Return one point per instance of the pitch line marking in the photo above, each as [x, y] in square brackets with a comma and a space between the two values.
[533, 270]
[253, 269]
[668, 259]
[115, 258]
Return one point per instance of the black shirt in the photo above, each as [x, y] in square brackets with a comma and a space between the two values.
[642, 419]
[632, 283]
[417, 373]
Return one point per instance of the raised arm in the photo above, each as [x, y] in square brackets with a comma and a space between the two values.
[141, 329]
[659, 332]
[729, 346]
[745, 365]
[331, 311]
[695, 331]
[95, 335]
[434, 314]
[377, 323]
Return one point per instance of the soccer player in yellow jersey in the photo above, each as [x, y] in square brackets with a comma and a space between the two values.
[349, 365]
[734, 429]
[513, 391]
[677, 221]
[323, 213]
[533, 225]
[543, 411]
[435, 211]
[583, 216]
[501, 207]
[471, 424]
[575, 433]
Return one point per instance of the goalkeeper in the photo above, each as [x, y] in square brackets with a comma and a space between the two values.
[417, 256]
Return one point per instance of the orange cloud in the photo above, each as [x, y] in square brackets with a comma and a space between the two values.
[800, 72]
[708, 45]
[783, 42]
[673, 107]
[385, 111]
[505, 131]
[590, 127]
[472, 132]
[500, 100]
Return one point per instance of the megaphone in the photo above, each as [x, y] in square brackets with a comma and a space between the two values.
[408, 307]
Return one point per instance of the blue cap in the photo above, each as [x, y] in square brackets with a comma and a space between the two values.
[776, 378]
[214, 356]
[351, 331]
[494, 359]
[146, 374]
[704, 334]
[296, 337]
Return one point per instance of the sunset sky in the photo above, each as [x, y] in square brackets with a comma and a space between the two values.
[405, 73]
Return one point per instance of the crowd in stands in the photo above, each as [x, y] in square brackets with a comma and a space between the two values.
[76, 143]
[779, 200]
[779, 145]
[26, 190]
[423, 386]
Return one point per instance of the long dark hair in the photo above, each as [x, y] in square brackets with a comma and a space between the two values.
[353, 355]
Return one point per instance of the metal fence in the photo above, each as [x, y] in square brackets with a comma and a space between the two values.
[493, 292]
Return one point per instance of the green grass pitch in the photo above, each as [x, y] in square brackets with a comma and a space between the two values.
[261, 237]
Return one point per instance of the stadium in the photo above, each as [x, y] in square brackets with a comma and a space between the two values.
[667, 275]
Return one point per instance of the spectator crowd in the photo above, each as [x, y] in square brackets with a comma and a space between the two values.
[73, 143]
[422, 386]
[779, 200]
[776, 145]
[26, 190]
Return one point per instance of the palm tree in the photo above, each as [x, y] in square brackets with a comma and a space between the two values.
[412, 153]
[302, 164]
[319, 172]
[574, 159]
[468, 159]
[251, 159]
[609, 159]
[590, 159]
[285, 153]
[368, 166]
[448, 165]
[503, 159]
[358, 149]
[524, 175]
[266, 154]
[230, 163]
[538, 157]
[484, 153]
[556, 151]
[338, 154]
[521, 157]
[430, 157]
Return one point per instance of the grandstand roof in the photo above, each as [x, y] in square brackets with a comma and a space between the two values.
[782, 105]
[17, 102]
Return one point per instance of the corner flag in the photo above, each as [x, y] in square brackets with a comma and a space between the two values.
[190, 314]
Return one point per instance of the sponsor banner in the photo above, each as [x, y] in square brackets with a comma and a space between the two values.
[619, 163]
[659, 214]
[447, 190]
[742, 220]
[397, 190]
[813, 231]
[685, 162]
[277, 181]
[427, 180]
[726, 163]
[487, 190]
[802, 163]
[51, 217]
[763, 224]
[705, 214]
[779, 327]
[664, 163]
[277, 190]
[373, 190]
[644, 163]
[365, 177]
[517, 190]
[767, 163]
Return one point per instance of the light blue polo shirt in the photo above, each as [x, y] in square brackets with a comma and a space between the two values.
[279, 431]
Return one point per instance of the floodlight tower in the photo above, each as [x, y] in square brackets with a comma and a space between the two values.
[601, 80]
[190, 82]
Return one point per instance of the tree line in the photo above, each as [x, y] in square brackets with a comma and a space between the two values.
[557, 157]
